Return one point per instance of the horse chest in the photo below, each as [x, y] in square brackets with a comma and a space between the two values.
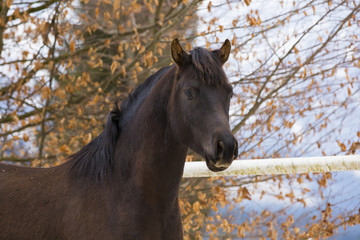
[124, 216]
[148, 220]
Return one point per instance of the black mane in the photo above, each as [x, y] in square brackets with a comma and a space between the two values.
[95, 159]
[137, 96]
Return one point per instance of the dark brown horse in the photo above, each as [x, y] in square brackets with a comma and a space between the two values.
[124, 184]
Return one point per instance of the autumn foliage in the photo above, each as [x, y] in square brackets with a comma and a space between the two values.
[295, 69]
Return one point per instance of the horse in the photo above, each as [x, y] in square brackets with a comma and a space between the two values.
[124, 184]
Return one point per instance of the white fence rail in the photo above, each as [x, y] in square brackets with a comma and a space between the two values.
[277, 166]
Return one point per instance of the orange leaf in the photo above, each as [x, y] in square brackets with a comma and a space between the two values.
[72, 46]
[45, 92]
[341, 145]
[25, 137]
[113, 66]
[318, 116]
[196, 207]
[64, 148]
[292, 110]
[123, 71]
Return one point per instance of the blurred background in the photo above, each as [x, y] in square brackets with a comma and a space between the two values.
[294, 66]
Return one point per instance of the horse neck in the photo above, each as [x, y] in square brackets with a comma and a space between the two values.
[147, 152]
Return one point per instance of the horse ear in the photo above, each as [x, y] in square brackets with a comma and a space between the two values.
[225, 51]
[178, 54]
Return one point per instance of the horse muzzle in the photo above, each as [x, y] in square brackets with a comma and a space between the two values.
[225, 151]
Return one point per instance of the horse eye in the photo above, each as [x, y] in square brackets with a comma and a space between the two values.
[189, 94]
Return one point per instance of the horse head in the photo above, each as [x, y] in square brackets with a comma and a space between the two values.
[199, 104]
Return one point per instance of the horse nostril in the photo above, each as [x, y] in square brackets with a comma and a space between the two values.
[220, 148]
[235, 154]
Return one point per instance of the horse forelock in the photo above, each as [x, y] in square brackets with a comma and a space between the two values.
[208, 67]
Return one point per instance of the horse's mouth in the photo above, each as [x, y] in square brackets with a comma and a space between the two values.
[212, 165]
